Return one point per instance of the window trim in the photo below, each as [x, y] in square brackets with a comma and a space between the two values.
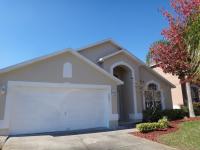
[158, 89]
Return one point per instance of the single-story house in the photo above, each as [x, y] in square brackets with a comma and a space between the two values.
[100, 85]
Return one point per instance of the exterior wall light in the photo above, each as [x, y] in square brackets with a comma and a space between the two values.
[100, 61]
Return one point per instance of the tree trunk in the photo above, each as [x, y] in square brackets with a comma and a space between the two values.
[189, 99]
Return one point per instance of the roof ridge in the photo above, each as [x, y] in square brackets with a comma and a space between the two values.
[98, 43]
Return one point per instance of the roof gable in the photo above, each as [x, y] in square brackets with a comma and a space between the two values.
[127, 53]
[29, 62]
[76, 54]
[124, 51]
[99, 43]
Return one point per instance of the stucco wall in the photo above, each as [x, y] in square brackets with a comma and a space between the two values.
[123, 58]
[141, 74]
[96, 52]
[147, 76]
[177, 96]
[51, 70]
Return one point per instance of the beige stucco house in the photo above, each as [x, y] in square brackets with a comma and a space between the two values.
[101, 85]
[179, 96]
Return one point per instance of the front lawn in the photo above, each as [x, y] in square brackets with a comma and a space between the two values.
[186, 138]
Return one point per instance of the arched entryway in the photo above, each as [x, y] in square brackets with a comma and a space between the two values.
[124, 92]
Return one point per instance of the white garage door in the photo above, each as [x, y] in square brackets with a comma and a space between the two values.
[56, 107]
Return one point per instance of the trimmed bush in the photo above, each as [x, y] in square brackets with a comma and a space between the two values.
[148, 127]
[174, 114]
[150, 115]
[171, 114]
[164, 123]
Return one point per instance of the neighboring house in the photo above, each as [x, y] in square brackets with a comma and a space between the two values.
[179, 96]
[101, 85]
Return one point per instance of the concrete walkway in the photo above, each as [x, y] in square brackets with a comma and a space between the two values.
[2, 141]
[114, 140]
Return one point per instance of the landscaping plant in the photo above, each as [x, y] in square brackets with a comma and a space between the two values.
[171, 114]
[196, 106]
[179, 52]
[147, 127]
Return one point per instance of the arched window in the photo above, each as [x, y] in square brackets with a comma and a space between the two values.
[152, 96]
[152, 87]
[67, 70]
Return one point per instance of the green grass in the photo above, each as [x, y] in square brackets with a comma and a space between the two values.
[186, 138]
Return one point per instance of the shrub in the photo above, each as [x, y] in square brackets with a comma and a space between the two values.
[185, 109]
[164, 123]
[196, 106]
[174, 114]
[151, 115]
[147, 127]
[171, 114]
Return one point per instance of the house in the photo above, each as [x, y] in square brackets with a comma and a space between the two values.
[179, 96]
[101, 85]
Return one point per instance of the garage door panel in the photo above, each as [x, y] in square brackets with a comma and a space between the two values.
[48, 109]
[30, 113]
[89, 109]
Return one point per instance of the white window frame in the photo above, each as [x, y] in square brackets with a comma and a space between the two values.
[158, 88]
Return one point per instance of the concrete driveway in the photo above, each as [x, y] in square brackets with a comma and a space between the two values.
[114, 140]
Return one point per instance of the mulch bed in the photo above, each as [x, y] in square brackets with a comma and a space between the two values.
[174, 126]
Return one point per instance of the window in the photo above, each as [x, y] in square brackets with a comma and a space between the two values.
[195, 94]
[152, 97]
[67, 70]
[152, 87]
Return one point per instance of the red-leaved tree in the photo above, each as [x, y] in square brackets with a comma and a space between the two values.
[176, 54]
